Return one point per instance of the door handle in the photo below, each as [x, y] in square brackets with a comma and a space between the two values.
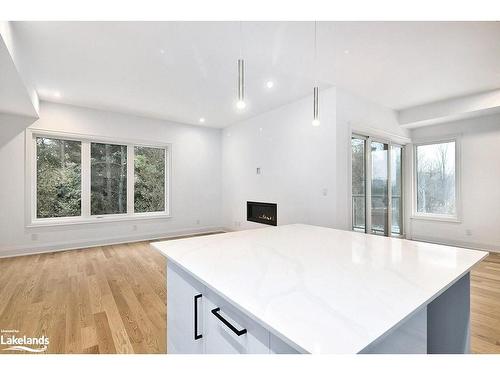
[196, 335]
[237, 331]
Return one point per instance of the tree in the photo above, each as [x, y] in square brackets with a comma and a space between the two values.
[149, 184]
[58, 178]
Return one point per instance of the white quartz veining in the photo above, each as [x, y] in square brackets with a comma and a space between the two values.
[322, 290]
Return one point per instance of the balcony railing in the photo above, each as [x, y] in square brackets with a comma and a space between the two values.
[379, 213]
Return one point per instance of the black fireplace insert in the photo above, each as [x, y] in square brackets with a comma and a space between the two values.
[264, 213]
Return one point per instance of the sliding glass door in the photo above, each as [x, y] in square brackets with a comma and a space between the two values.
[379, 188]
[396, 190]
[376, 186]
[358, 184]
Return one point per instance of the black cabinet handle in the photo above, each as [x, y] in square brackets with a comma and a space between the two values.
[238, 332]
[196, 335]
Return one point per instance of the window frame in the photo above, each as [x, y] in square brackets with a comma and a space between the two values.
[456, 218]
[390, 141]
[86, 217]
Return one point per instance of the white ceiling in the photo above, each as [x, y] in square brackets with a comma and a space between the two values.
[120, 65]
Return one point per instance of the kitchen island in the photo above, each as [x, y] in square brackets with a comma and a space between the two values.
[307, 289]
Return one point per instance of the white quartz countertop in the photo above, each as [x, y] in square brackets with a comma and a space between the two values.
[321, 290]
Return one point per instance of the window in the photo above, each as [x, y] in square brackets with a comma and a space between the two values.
[75, 179]
[149, 174]
[436, 179]
[108, 165]
[58, 176]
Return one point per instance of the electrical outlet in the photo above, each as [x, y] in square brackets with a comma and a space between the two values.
[134, 227]
[34, 236]
[198, 222]
[468, 232]
[258, 170]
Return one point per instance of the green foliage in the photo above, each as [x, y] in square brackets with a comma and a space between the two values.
[108, 186]
[149, 195]
[58, 178]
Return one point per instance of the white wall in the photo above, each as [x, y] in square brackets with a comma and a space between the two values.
[299, 162]
[195, 181]
[30, 105]
[305, 169]
[480, 175]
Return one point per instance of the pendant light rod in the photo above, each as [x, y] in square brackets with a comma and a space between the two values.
[316, 103]
[241, 80]
[315, 121]
[240, 103]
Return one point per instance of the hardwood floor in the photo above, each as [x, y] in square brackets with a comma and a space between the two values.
[112, 299]
[109, 299]
[485, 306]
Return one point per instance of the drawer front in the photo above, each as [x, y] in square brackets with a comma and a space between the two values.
[220, 336]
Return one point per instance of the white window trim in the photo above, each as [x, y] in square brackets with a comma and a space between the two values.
[457, 218]
[86, 217]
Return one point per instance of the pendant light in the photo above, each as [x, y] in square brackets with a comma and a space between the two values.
[240, 103]
[315, 121]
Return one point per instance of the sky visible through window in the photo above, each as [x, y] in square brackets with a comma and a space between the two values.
[436, 178]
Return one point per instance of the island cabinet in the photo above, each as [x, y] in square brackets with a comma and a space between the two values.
[305, 289]
[199, 321]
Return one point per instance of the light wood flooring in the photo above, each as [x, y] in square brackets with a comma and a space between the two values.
[112, 299]
[109, 299]
[485, 305]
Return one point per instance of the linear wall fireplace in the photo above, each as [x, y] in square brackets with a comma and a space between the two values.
[264, 213]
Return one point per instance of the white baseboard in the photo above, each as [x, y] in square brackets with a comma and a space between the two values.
[458, 243]
[73, 245]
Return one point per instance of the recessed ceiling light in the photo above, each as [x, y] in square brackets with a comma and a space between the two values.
[162, 51]
[202, 120]
[346, 51]
[57, 94]
[269, 84]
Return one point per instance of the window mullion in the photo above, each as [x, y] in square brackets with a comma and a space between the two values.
[389, 189]
[86, 176]
[33, 176]
[167, 180]
[130, 179]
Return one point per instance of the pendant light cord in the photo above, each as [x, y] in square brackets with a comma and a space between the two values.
[241, 39]
[315, 53]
